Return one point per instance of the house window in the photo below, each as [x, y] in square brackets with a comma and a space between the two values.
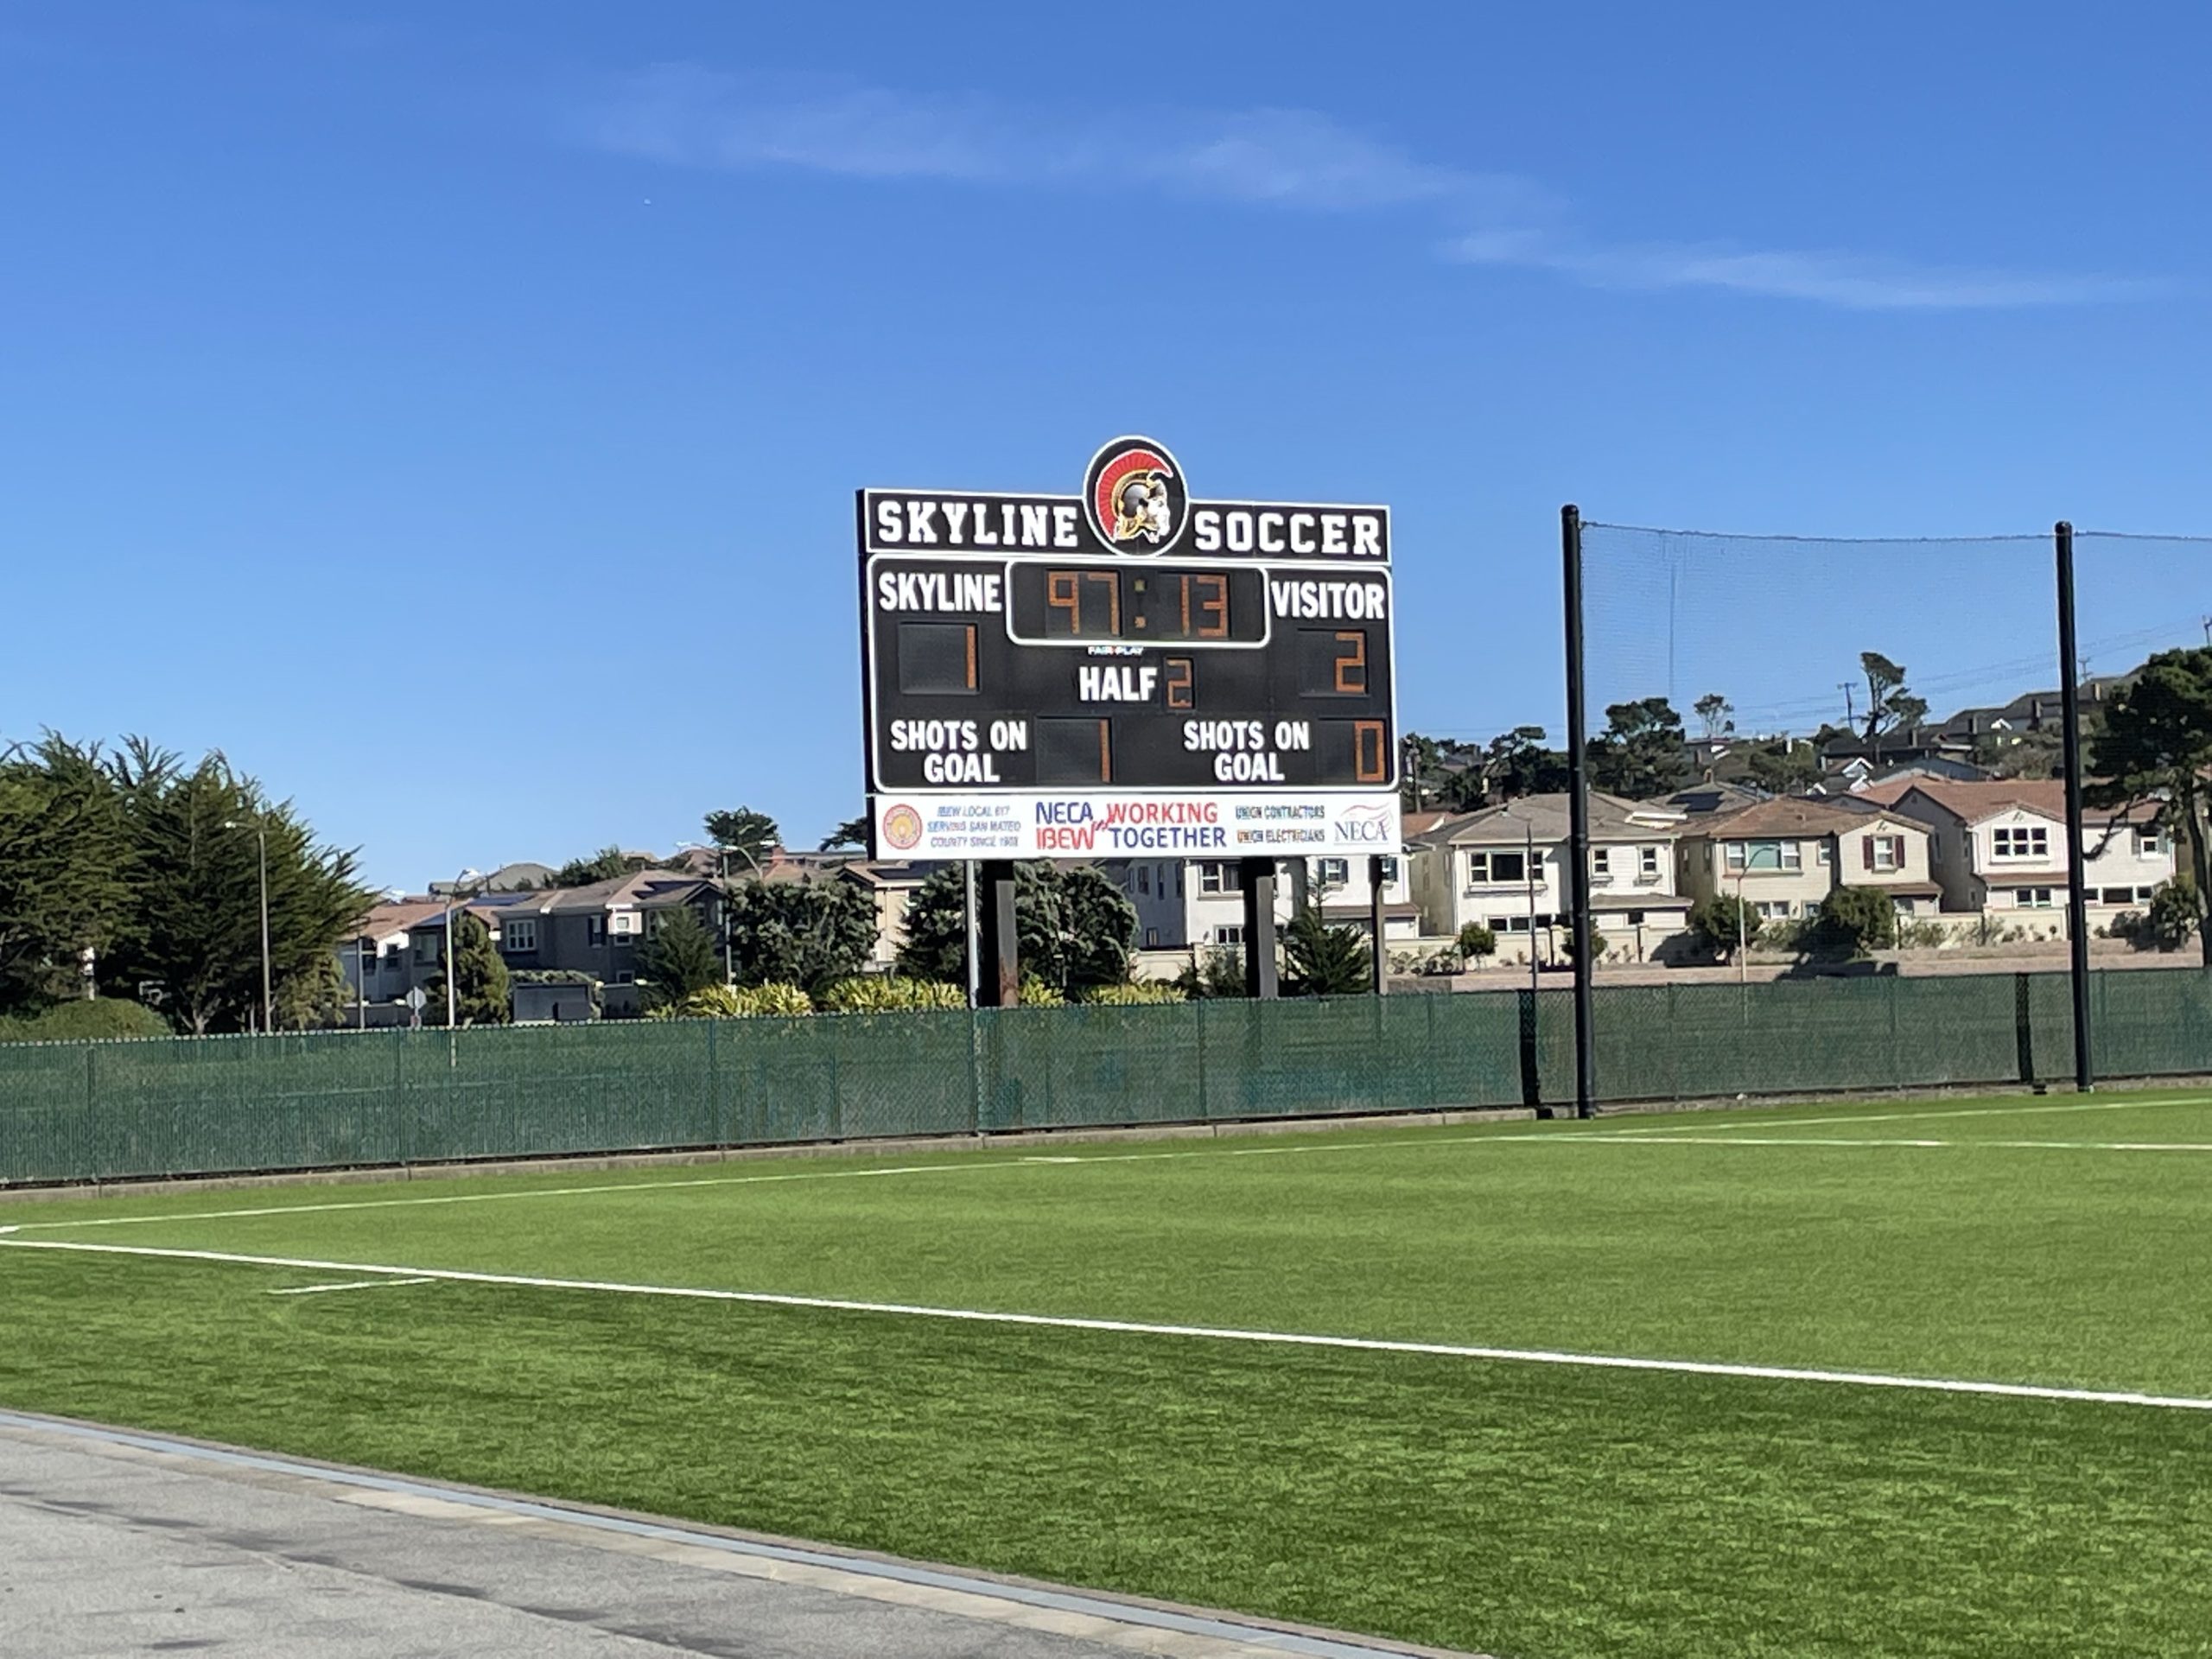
[1508, 924]
[519, 934]
[623, 977]
[1635, 918]
[2149, 843]
[595, 930]
[1885, 851]
[1219, 876]
[1494, 869]
[1229, 934]
[1823, 854]
[426, 947]
[1152, 939]
[1772, 909]
[1335, 872]
[2117, 896]
[2026, 841]
[2031, 898]
[1144, 879]
[1904, 903]
[1647, 863]
[1765, 855]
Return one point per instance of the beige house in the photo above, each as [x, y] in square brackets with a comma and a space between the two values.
[2001, 847]
[1505, 866]
[1785, 857]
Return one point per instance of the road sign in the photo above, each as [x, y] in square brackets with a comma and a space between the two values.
[1127, 672]
[415, 998]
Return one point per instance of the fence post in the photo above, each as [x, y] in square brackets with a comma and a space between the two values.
[2077, 901]
[717, 1120]
[1532, 1075]
[91, 1106]
[975, 1066]
[1577, 788]
[399, 1096]
[1205, 1100]
[2024, 1029]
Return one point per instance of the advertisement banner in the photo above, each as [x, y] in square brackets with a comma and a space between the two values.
[1123, 823]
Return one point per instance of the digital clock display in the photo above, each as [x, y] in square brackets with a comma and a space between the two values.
[1149, 604]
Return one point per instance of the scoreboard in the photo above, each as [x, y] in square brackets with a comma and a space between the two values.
[1127, 672]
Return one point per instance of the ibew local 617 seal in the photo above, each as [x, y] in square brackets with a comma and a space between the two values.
[1135, 496]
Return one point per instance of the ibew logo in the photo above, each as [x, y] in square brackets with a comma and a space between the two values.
[1365, 826]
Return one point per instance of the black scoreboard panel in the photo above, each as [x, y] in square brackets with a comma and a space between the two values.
[1077, 671]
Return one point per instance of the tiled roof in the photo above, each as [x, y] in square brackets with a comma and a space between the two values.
[1791, 816]
[2045, 797]
[1546, 818]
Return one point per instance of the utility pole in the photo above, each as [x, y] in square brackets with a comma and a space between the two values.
[1850, 709]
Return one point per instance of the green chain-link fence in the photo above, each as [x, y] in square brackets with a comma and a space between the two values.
[108, 1111]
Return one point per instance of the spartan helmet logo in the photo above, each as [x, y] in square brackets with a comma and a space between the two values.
[1135, 496]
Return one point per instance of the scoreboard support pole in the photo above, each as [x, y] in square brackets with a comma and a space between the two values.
[1374, 883]
[1257, 877]
[999, 983]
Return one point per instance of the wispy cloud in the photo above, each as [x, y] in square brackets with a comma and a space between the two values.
[1855, 282]
[1292, 158]
[1295, 160]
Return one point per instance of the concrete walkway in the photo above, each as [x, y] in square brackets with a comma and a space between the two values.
[118, 1543]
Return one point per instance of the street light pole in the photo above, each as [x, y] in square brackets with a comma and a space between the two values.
[267, 990]
[268, 993]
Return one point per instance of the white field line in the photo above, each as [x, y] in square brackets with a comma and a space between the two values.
[1840, 1141]
[351, 1284]
[1278, 1149]
[2104, 1105]
[1134, 1327]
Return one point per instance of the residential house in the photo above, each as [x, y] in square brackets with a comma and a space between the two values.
[1190, 904]
[1783, 857]
[381, 963]
[2001, 847]
[1505, 866]
[596, 930]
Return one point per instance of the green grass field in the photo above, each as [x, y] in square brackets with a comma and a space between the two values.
[1524, 1506]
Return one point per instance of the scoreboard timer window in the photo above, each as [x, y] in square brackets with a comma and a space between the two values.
[1128, 671]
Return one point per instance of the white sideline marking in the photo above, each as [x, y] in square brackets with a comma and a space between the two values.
[1610, 1132]
[351, 1284]
[1839, 1141]
[2102, 1104]
[1133, 1327]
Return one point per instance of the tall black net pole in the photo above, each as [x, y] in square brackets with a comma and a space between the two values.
[1578, 792]
[2077, 898]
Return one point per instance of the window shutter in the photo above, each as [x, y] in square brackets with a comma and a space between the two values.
[1866, 852]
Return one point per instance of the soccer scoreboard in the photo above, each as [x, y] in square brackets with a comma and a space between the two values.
[1127, 672]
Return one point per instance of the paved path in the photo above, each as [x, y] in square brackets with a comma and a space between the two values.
[124, 1544]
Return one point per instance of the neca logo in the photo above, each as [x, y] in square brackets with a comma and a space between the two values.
[1134, 495]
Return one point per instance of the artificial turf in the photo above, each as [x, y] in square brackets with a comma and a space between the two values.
[1515, 1509]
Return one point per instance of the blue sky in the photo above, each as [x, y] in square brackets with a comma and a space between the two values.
[452, 412]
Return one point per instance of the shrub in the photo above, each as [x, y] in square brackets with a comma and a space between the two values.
[738, 1003]
[1475, 942]
[1719, 922]
[2171, 921]
[888, 994]
[1220, 972]
[1036, 994]
[1922, 936]
[1131, 993]
[85, 1019]
[1855, 920]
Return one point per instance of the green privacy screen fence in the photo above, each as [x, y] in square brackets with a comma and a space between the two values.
[109, 1111]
